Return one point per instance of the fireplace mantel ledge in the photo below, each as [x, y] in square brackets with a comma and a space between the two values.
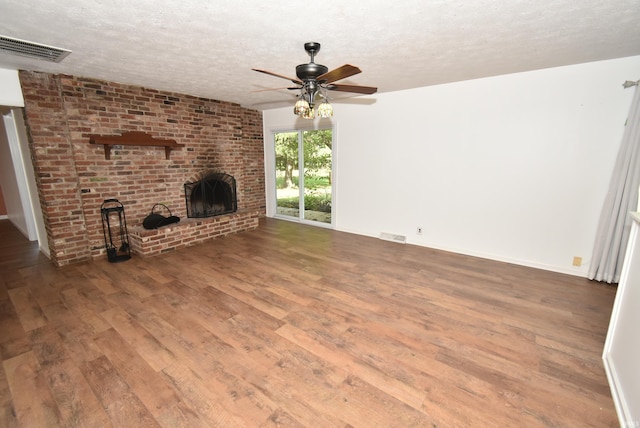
[132, 138]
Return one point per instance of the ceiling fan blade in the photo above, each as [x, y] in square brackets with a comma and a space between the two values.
[353, 88]
[342, 72]
[271, 73]
[276, 89]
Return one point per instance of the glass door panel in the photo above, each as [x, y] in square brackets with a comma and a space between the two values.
[317, 186]
[287, 190]
[303, 171]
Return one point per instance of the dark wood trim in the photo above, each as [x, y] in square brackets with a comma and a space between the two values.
[133, 138]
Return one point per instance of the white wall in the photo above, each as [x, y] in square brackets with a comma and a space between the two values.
[10, 91]
[512, 168]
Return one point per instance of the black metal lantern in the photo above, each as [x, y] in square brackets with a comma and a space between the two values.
[114, 228]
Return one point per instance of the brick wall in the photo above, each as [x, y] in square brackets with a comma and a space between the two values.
[74, 177]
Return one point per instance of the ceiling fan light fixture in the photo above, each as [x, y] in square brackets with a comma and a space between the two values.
[301, 107]
[325, 110]
[309, 114]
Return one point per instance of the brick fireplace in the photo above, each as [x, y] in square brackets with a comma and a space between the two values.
[74, 176]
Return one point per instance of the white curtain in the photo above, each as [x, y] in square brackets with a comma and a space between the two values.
[622, 198]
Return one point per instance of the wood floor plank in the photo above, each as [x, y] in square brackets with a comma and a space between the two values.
[100, 282]
[244, 377]
[293, 325]
[145, 344]
[75, 334]
[74, 398]
[32, 399]
[13, 340]
[200, 396]
[234, 382]
[186, 335]
[17, 252]
[8, 416]
[28, 310]
[121, 404]
[163, 403]
[395, 388]
[234, 288]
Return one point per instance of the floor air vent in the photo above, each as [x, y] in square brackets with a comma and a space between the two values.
[32, 50]
[401, 239]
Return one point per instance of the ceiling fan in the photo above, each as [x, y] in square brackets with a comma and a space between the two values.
[315, 79]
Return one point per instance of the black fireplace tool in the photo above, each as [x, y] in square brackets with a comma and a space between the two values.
[114, 228]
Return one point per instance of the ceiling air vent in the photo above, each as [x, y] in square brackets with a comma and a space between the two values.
[32, 50]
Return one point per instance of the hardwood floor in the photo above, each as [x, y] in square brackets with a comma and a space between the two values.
[291, 325]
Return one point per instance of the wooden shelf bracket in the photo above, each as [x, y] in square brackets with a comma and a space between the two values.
[133, 138]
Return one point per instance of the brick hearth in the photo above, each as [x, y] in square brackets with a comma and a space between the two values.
[189, 232]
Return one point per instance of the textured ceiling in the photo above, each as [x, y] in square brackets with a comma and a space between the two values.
[207, 48]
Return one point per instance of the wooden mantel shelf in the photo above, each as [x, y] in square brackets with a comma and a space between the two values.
[132, 138]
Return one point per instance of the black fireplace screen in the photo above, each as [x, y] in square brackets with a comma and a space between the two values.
[213, 195]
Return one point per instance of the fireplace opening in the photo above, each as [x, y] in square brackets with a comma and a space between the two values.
[213, 195]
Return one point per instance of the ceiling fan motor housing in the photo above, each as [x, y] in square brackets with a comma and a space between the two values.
[310, 71]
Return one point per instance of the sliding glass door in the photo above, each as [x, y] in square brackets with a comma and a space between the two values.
[304, 169]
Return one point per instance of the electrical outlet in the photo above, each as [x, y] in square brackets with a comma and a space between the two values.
[419, 230]
[577, 261]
